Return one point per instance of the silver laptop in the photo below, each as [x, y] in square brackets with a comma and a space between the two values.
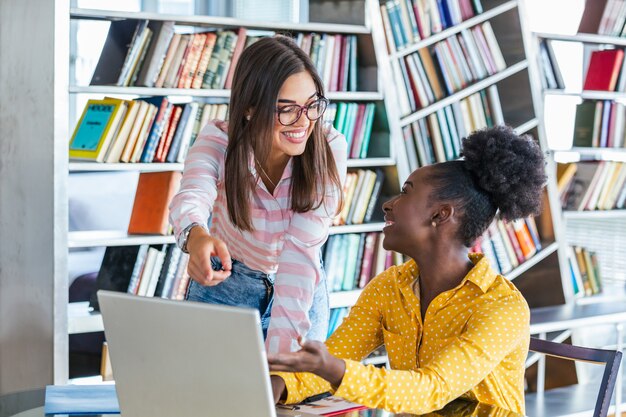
[173, 358]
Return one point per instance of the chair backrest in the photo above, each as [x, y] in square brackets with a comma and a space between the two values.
[611, 358]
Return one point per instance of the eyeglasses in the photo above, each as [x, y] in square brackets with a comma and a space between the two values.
[290, 114]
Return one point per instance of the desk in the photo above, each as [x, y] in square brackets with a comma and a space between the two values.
[30, 404]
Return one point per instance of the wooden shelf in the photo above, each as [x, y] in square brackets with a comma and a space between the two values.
[98, 167]
[594, 214]
[538, 257]
[584, 38]
[600, 154]
[483, 17]
[587, 94]
[202, 92]
[340, 299]
[459, 95]
[90, 239]
[529, 125]
[213, 21]
[157, 167]
[370, 162]
[81, 320]
[357, 228]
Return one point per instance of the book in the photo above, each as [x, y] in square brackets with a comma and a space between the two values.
[81, 399]
[115, 271]
[583, 123]
[96, 128]
[603, 70]
[163, 31]
[150, 208]
[114, 51]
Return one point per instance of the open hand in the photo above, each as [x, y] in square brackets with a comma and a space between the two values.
[313, 357]
[201, 247]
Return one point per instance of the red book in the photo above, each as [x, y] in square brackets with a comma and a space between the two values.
[164, 145]
[514, 242]
[368, 259]
[150, 208]
[603, 70]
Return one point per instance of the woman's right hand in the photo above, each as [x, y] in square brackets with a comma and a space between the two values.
[201, 246]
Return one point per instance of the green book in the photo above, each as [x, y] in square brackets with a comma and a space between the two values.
[367, 131]
[583, 124]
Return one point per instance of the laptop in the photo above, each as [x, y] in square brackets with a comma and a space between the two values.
[173, 358]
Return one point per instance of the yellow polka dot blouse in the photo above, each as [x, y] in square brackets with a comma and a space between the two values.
[472, 344]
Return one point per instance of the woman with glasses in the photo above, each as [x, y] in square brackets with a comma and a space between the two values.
[271, 181]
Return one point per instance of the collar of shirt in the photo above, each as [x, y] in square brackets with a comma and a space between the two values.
[482, 274]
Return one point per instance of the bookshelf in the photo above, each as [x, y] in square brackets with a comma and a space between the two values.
[372, 87]
[519, 105]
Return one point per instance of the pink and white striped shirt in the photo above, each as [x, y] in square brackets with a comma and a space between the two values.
[284, 243]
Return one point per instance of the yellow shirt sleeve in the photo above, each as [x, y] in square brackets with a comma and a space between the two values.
[492, 332]
[357, 336]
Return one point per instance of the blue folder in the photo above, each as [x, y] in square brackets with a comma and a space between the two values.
[81, 399]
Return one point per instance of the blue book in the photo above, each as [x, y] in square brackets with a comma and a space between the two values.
[178, 136]
[160, 121]
[81, 399]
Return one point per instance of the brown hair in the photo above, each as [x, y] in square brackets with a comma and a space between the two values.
[262, 69]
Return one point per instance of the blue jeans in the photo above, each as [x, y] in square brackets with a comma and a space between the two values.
[255, 289]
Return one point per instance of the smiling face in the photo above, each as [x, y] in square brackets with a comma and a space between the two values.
[298, 89]
[409, 215]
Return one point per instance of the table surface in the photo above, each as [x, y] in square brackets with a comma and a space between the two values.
[30, 404]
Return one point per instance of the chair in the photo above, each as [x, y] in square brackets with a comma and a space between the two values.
[611, 359]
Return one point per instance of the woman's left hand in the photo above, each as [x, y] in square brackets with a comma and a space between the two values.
[313, 357]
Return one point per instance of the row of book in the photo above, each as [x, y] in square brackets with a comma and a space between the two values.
[145, 270]
[145, 130]
[361, 192]
[351, 260]
[604, 17]
[600, 124]
[509, 244]
[408, 21]
[551, 74]
[354, 121]
[153, 54]
[592, 185]
[449, 66]
[437, 137]
[584, 267]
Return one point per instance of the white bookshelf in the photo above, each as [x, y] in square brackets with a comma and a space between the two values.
[480, 18]
[594, 215]
[474, 88]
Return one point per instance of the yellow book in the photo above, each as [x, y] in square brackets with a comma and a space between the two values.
[564, 174]
[143, 107]
[96, 128]
[117, 146]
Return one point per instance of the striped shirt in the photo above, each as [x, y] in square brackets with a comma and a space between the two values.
[283, 242]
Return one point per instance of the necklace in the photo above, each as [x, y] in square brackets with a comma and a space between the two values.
[265, 173]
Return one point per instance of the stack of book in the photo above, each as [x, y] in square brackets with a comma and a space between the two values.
[509, 244]
[153, 54]
[585, 271]
[449, 66]
[351, 260]
[598, 185]
[437, 137]
[361, 191]
[146, 270]
[408, 21]
[552, 77]
[354, 121]
[144, 130]
[600, 124]
[604, 17]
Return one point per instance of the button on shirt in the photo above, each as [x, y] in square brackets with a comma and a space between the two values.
[283, 242]
[472, 343]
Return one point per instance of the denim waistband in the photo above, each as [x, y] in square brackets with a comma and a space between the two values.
[239, 267]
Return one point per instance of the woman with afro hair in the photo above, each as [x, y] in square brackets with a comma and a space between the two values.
[452, 326]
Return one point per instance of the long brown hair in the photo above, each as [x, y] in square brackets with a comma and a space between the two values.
[262, 69]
